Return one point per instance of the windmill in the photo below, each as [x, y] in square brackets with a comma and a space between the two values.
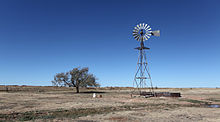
[142, 79]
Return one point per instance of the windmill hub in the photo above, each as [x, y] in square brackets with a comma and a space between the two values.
[142, 32]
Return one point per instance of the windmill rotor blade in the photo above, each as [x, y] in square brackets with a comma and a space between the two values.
[135, 33]
[145, 26]
[148, 36]
[138, 27]
[136, 37]
[135, 28]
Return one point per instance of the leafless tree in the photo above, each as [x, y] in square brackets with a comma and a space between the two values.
[75, 78]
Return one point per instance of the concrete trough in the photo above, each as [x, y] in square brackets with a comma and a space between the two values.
[161, 94]
[146, 93]
[167, 94]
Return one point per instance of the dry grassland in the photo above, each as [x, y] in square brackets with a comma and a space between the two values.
[28, 103]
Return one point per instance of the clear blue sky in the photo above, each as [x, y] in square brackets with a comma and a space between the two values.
[39, 38]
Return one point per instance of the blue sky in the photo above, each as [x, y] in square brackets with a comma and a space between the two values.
[39, 38]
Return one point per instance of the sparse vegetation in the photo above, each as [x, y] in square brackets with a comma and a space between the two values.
[63, 104]
[75, 113]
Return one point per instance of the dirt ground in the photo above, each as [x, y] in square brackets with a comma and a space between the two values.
[116, 104]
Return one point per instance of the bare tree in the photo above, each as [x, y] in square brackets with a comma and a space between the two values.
[75, 78]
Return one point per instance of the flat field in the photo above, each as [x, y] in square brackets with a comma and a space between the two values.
[38, 103]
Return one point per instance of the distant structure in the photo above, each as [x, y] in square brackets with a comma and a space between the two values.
[142, 79]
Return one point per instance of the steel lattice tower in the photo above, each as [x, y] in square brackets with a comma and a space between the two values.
[142, 77]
